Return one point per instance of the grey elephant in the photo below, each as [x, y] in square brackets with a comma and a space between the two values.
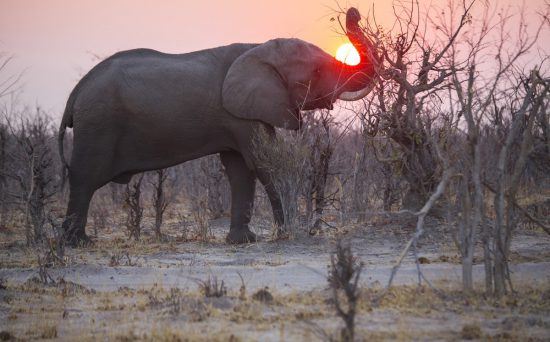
[143, 110]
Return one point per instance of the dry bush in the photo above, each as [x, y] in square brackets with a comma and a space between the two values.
[200, 214]
[120, 258]
[100, 213]
[134, 209]
[30, 183]
[160, 199]
[205, 177]
[205, 190]
[52, 251]
[29, 177]
[284, 157]
[216, 186]
[343, 279]
[319, 137]
[263, 295]
[370, 173]
[471, 332]
[212, 287]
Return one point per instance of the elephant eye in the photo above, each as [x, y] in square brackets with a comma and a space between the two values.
[317, 72]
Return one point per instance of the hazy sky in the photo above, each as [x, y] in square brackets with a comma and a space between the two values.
[55, 41]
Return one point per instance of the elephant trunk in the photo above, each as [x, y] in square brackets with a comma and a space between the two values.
[356, 95]
[362, 77]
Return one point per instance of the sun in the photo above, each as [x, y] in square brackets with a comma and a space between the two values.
[347, 53]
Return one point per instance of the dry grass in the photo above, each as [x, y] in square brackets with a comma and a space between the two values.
[32, 310]
[66, 309]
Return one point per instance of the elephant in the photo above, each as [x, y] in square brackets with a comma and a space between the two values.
[142, 110]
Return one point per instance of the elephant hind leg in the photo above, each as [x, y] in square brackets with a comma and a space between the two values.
[84, 181]
[243, 184]
[74, 226]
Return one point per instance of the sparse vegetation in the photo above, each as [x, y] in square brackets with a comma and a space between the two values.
[212, 287]
[30, 168]
[471, 332]
[263, 295]
[160, 200]
[285, 158]
[134, 209]
[343, 278]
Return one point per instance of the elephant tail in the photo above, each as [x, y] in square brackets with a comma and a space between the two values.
[66, 121]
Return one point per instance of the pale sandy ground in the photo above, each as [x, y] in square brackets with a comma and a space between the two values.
[154, 294]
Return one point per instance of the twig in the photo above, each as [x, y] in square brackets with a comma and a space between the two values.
[419, 224]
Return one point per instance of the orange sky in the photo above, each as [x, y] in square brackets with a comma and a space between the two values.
[54, 39]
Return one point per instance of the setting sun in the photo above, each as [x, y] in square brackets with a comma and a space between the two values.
[347, 53]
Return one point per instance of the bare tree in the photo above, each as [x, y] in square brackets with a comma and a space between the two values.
[470, 188]
[509, 172]
[404, 110]
[483, 97]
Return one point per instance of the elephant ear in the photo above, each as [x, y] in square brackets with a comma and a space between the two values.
[255, 89]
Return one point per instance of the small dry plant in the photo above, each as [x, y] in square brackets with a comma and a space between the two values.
[161, 200]
[121, 259]
[212, 287]
[199, 206]
[100, 213]
[215, 184]
[134, 210]
[51, 252]
[343, 279]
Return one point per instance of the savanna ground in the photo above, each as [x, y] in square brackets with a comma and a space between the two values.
[120, 289]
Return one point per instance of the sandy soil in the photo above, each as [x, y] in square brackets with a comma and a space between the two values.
[119, 289]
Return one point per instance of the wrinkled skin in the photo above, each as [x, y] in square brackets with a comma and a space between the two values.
[143, 110]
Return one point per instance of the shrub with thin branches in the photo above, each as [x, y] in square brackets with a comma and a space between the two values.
[284, 157]
[29, 164]
[343, 279]
[160, 199]
[134, 210]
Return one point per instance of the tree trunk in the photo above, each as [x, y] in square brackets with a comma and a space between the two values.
[467, 278]
[487, 257]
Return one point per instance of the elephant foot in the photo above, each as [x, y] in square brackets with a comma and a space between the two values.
[240, 236]
[79, 240]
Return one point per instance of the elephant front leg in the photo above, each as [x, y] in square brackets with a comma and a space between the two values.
[243, 183]
[274, 200]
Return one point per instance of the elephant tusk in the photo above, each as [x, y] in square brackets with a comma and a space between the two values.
[356, 95]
